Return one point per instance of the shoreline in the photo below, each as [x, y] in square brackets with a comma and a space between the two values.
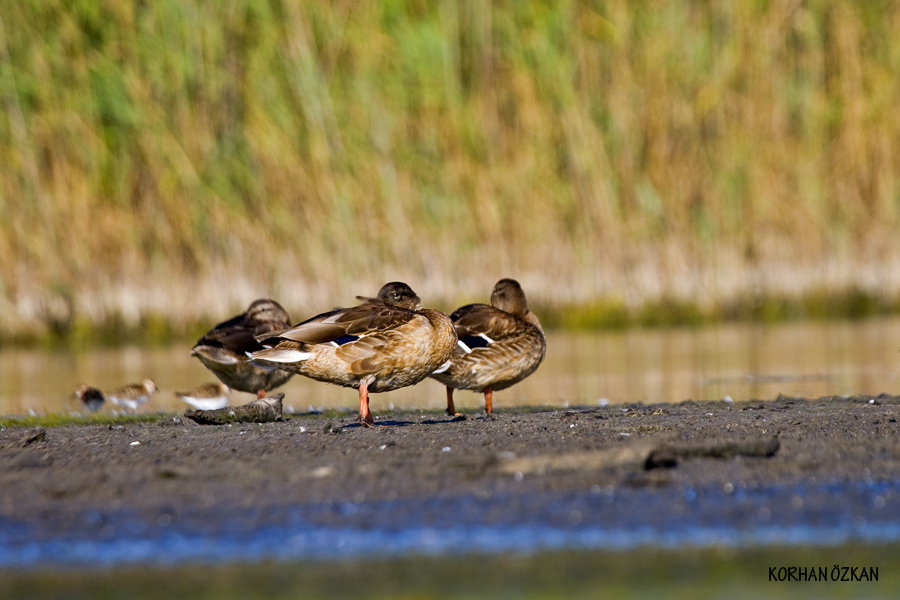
[155, 326]
[836, 468]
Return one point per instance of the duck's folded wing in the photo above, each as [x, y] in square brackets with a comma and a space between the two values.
[217, 354]
[236, 337]
[363, 320]
[367, 353]
[480, 324]
[269, 327]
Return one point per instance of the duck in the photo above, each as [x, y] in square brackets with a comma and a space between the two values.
[498, 345]
[209, 396]
[224, 348]
[133, 395]
[90, 397]
[384, 343]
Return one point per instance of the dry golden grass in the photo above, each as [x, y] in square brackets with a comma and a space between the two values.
[170, 161]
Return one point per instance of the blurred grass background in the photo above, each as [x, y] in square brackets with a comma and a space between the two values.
[165, 163]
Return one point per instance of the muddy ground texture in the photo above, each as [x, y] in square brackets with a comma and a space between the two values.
[512, 467]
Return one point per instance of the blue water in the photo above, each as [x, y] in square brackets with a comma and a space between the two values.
[614, 519]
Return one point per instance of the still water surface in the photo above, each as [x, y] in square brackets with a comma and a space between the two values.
[739, 361]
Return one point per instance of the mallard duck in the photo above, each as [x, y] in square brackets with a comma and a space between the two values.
[90, 397]
[224, 348]
[208, 396]
[499, 345]
[133, 395]
[383, 344]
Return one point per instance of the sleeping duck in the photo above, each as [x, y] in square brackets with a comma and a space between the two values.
[383, 344]
[223, 350]
[499, 345]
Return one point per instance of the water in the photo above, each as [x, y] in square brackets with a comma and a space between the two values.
[740, 361]
[572, 544]
[615, 519]
[624, 543]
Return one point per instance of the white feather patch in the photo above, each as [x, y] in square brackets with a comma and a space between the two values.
[465, 348]
[286, 356]
[442, 368]
[486, 338]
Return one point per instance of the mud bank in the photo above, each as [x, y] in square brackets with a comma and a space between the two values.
[780, 471]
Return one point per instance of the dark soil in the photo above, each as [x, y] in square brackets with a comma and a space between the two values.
[70, 481]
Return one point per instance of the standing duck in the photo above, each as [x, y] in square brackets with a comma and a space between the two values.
[383, 344]
[499, 345]
[224, 348]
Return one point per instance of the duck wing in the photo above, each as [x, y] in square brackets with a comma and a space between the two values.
[236, 335]
[346, 325]
[478, 325]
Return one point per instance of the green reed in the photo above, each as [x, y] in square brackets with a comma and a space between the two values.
[167, 162]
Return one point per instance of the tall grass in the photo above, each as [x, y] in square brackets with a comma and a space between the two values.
[173, 160]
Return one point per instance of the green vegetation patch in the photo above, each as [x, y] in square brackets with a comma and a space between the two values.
[682, 573]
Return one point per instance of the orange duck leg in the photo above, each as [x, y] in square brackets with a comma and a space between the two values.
[365, 416]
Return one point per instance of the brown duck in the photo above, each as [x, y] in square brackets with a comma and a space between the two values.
[224, 348]
[499, 345]
[383, 344]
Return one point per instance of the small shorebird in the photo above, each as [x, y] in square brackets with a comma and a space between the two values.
[383, 344]
[499, 345]
[208, 396]
[134, 395]
[90, 397]
[224, 348]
